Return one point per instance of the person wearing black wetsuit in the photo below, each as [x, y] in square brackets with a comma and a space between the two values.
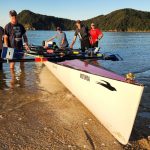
[83, 34]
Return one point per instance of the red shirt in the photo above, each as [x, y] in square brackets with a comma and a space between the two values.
[94, 35]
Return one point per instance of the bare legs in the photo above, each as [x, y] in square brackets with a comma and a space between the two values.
[12, 65]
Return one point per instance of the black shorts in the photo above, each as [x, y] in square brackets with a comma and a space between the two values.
[85, 44]
[94, 45]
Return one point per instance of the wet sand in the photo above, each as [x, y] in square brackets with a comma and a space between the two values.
[48, 116]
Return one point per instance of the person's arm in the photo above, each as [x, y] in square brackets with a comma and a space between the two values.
[2, 30]
[100, 35]
[74, 40]
[63, 39]
[24, 36]
[6, 36]
[3, 35]
[6, 40]
[90, 37]
[26, 41]
[52, 38]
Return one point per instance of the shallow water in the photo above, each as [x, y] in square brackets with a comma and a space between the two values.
[145, 115]
[134, 48]
[19, 78]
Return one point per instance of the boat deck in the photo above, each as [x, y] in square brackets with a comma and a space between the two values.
[85, 66]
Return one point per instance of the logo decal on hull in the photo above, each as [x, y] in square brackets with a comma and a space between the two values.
[107, 85]
[85, 77]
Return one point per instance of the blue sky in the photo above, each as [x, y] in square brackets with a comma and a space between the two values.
[77, 9]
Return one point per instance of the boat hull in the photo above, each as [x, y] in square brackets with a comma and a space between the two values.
[113, 102]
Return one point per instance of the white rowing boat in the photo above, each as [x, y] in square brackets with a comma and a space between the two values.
[112, 100]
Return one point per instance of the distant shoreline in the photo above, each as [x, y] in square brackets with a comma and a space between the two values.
[102, 30]
[124, 20]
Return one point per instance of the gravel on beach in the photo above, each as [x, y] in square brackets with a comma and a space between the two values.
[46, 116]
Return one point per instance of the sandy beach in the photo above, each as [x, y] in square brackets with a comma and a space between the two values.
[50, 117]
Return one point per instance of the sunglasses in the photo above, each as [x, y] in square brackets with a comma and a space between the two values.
[92, 25]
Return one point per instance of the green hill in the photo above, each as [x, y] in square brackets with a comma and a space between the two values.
[119, 20]
[123, 20]
[42, 22]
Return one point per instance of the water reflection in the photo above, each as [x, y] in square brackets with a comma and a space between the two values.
[17, 77]
[3, 84]
[94, 62]
[12, 78]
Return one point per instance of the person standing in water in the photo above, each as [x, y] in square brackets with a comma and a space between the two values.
[13, 34]
[95, 35]
[83, 34]
[62, 39]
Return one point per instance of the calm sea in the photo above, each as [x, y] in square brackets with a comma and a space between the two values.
[134, 48]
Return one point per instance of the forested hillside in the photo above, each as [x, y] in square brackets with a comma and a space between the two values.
[119, 20]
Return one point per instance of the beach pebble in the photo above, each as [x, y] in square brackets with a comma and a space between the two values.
[69, 146]
[19, 119]
[90, 119]
[115, 142]
[85, 123]
[129, 144]
[1, 116]
[103, 144]
[45, 128]
[84, 146]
